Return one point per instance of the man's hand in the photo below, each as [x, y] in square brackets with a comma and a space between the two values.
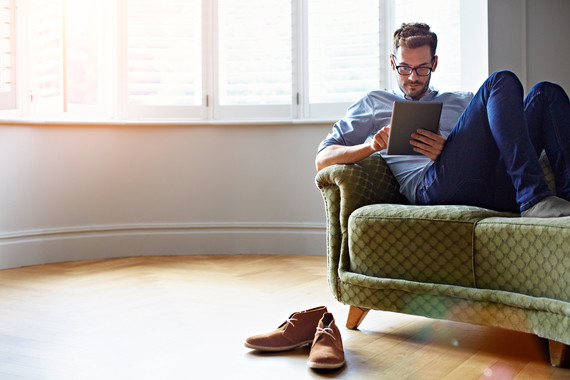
[380, 139]
[341, 154]
[428, 143]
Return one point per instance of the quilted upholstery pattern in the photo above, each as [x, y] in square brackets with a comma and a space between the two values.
[344, 189]
[528, 256]
[420, 243]
[543, 317]
[461, 263]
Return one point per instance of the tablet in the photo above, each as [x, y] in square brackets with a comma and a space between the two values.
[407, 117]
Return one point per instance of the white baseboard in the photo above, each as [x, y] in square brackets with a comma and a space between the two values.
[25, 248]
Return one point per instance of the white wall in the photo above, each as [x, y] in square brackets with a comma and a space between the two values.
[530, 37]
[79, 192]
[76, 192]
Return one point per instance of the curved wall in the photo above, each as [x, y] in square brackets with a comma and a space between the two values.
[72, 192]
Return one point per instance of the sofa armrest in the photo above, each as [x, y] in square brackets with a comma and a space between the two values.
[346, 188]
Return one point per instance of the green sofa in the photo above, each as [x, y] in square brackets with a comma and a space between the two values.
[459, 263]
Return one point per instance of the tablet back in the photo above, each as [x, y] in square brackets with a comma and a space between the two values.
[407, 117]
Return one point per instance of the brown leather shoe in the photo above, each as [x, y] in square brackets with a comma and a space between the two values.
[298, 330]
[327, 351]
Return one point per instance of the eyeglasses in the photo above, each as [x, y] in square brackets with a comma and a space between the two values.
[422, 71]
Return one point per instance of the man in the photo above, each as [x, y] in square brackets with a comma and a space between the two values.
[486, 152]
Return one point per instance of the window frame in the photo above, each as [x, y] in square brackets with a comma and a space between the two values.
[114, 105]
[8, 99]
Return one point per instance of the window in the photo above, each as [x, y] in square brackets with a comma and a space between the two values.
[254, 59]
[160, 61]
[65, 54]
[347, 52]
[210, 59]
[7, 56]
[343, 49]
[47, 55]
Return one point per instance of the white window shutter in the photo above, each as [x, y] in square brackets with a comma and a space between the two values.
[47, 56]
[7, 55]
[83, 37]
[254, 73]
[344, 44]
[345, 53]
[164, 65]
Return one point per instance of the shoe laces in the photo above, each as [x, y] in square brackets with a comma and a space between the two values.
[290, 321]
[326, 330]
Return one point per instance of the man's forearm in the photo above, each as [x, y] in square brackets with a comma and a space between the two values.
[341, 154]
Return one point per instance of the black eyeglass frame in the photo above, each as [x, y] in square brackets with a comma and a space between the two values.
[412, 69]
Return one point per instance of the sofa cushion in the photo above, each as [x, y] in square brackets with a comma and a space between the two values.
[432, 244]
[524, 255]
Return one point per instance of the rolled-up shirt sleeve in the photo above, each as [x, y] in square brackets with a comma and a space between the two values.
[355, 127]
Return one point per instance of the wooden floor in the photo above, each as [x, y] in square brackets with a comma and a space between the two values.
[187, 318]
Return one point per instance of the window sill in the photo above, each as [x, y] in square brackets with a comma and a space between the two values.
[165, 123]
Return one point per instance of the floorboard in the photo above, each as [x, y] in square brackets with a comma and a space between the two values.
[186, 317]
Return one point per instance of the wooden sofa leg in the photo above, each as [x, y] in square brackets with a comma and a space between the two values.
[355, 316]
[559, 354]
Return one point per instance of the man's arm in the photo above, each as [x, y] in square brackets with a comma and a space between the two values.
[341, 154]
[428, 143]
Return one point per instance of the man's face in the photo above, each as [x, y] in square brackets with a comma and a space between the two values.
[413, 85]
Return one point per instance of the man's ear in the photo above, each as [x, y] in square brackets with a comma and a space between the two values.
[392, 62]
[434, 63]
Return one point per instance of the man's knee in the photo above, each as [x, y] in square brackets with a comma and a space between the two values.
[549, 88]
[503, 80]
[504, 75]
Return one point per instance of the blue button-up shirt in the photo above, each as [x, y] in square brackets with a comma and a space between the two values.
[374, 111]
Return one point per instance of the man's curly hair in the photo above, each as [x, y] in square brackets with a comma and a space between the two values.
[414, 35]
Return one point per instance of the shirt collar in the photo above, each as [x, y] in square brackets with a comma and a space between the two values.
[431, 93]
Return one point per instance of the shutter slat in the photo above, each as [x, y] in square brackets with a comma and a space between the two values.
[344, 49]
[255, 52]
[164, 49]
[7, 55]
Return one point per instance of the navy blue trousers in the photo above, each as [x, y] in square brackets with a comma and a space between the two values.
[490, 159]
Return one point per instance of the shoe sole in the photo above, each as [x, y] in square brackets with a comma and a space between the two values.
[316, 365]
[278, 349]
